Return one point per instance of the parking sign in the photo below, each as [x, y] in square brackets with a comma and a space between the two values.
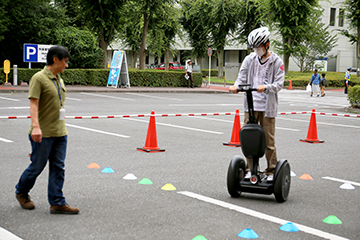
[36, 52]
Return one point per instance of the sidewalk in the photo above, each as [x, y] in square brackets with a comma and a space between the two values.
[78, 88]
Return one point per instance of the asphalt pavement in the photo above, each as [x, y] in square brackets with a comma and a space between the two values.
[185, 194]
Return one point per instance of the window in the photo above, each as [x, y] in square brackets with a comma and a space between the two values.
[341, 17]
[332, 16]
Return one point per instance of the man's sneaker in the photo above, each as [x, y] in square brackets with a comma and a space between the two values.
[64, 209]
[25, 201]
[247, 175]
[270, 178]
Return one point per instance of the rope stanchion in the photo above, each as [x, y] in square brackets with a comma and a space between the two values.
[182, 115]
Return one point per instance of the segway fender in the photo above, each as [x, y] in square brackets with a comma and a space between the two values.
[278, 167]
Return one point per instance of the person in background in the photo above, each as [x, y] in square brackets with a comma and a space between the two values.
[264, 70]
[189, 73]
[323, 84]
[347, 80]
[314, 82]
[48, 133]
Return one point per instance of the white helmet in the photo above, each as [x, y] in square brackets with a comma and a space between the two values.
[258, 36]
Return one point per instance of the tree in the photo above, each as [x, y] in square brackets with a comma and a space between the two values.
[148, 10]
[352, 13]
[317, 42]
[291, 20]
[194, 21]
[162, 42]
[32, 21]
[103, 18]
[223, 21]
[82, 46]
[251, 17]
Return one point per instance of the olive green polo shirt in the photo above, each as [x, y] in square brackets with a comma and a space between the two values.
[42, 87]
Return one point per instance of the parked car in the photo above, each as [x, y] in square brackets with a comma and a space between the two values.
[172, 65]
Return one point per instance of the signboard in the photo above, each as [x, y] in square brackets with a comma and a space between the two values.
[321, 65]
[118, 71]
[209, 52]
[36, 52]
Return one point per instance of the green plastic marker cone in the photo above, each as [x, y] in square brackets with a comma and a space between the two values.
[199, 237]
[332, 220]
[145, 181]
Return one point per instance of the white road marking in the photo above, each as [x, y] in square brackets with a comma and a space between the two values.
[176, 126]
[6, 235]
[10, 99]
[321, 123]
[202, 105]
[106, 96]
[5, 140]
[149, 96]
[73, 99]
[15, 108]
[341, 180]
[228, 121]
[260, 215]
[98, 131]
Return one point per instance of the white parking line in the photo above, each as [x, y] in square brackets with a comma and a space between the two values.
[6, 235]
[341, 180]
[150, 96]
[98, 131]
[177, 126]
[319, 123]
[15, 108]
[228, 121]
[106, 96]
[260, 215]
[5, 140]
[10, 99]
[73, 99]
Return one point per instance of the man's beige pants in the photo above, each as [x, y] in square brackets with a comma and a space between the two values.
[268, 125]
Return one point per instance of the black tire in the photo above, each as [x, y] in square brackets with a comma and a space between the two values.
[236, 173]
[282, 183]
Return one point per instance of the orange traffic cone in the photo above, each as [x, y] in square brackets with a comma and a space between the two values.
[290, 85]
[151, 139]
[235, 136]
[312, 136]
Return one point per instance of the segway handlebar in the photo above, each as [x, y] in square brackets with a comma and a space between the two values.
[246, 87]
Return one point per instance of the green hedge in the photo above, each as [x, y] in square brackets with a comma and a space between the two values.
[354, 96]
[99, 77]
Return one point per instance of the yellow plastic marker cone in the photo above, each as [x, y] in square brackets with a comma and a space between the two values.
[306, 177]
[93, 165]
[168, 187]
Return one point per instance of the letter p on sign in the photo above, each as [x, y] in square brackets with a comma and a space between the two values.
[30, 53]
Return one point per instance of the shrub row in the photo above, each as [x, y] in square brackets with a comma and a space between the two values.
[99, 77]
[354, 96]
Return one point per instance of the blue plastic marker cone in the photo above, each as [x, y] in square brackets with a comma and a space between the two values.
[107, 170]
[199, 237]
[289, 227]
[248, 233]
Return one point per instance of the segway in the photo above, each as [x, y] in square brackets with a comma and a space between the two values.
[253, 144]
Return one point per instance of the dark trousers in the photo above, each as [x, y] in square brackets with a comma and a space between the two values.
[54, 150]
[190, 80]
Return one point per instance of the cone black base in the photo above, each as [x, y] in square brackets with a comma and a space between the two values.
[311, 141]
[232, 144]
[150, 150]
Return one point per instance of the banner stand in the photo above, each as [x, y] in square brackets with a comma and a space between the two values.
[119, 75]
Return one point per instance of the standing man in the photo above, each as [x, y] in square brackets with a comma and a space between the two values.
[189, 71]
[314, 82]
[347, 79]
[47, 134]
[264, 70]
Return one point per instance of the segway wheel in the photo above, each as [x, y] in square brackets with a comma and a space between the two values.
[282, 183]
[236, 173]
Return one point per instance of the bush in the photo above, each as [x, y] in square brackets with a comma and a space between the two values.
[354, 96]
[99, 77]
